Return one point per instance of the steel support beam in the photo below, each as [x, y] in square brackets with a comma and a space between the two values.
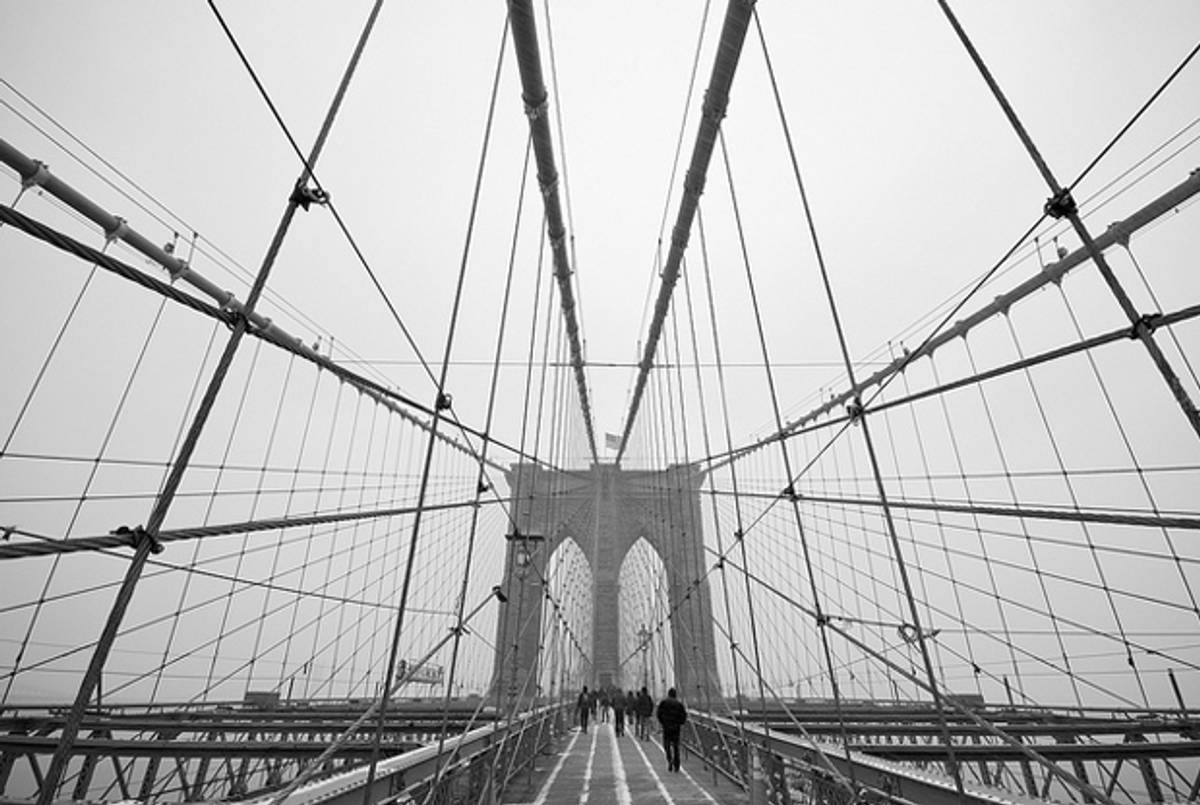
[34, 173]
[1117, 233]
[729, 51]
[889, 782]
[537, 109]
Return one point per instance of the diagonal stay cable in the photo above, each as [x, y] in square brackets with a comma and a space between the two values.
[58, 764]
[441, 404]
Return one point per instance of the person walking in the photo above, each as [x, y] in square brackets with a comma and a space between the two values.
[672, 715]
[617, 700]
[584, 705]
[644, 707]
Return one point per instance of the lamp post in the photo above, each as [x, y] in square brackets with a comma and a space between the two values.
[644, 636]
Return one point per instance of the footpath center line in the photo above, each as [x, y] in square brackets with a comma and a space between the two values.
[662, 789]
[587, 772]
[541, 797]
[618, 767]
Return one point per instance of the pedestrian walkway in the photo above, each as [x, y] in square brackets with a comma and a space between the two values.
[598, 768]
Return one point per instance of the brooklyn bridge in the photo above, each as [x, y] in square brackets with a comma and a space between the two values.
[335, 460]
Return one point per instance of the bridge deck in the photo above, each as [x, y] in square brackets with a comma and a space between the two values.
[599, 768]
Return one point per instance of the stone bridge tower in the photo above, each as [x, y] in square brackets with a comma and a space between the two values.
[605, 510]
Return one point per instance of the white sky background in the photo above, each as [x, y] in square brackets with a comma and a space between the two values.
[917, 183]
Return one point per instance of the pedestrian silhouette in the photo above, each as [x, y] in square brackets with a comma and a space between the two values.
[672, 715]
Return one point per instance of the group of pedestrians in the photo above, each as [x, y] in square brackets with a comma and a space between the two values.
[638, 709]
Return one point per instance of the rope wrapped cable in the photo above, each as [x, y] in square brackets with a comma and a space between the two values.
[733, 36]
[57, 239]
[1053, 273]
[1121, 333]
[124, 536]
[229, 317]
[1072, 515]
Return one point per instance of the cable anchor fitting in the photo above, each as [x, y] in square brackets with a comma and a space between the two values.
[136, 536]
[790, 493]
[911, 634]
[118, 232]
[444, 401]
[854, 410]
[1144, 327]
[41, 173]
[1061, 205]
[303, 196]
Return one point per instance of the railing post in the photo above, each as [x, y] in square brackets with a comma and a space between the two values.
[758, 779]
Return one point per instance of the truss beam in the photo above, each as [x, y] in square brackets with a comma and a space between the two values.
[537, 109]
[729, 51]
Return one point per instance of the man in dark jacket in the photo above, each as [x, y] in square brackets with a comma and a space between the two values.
[645, 708]
[584, 705]
[617, 699]
[672, 715]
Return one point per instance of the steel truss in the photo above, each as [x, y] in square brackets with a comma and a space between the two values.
[897, 753]
[245, 751]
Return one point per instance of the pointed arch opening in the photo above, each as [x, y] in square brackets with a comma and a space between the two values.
[646, 656]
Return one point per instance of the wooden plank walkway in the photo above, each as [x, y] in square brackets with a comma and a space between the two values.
[599, 768]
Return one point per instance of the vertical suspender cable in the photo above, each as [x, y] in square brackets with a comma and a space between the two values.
[716, 99]
[440, 408]
[857, 405]
[1062, 205]
[525, 44]
[146, 543]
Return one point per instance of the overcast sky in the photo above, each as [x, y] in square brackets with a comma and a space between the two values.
[917, 186]
[916, 182]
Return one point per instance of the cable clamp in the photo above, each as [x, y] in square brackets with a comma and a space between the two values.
[738, 535]
[303, 196]
[499, 593]
[823, 619]
[459, 630]
[911, 634]
[8, 532]
[1060, 205]
[534, 111]
[482, 487]
[1120, 234]
[854, 411]
[136, 536]
[118, 232]
[789, 492]
[39, 177]
[712, 110]
[444, 401]
[1144, 326]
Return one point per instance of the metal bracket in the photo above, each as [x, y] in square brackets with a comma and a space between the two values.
[303, 196]
[910, 634]
[1061, 204]
[39, 176]
[533, 111]
[137, 535]
[1144, 326]
[118, 232]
